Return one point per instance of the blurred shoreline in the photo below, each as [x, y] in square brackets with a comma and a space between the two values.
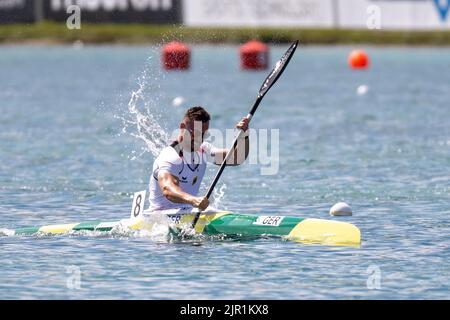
[52, 33]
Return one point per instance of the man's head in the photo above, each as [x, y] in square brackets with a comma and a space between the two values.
[194, 126]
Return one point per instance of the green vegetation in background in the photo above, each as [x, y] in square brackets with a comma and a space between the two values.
[53, 32]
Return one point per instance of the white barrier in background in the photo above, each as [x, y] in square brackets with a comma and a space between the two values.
[250, 13]
[396, 14]
[358, 14]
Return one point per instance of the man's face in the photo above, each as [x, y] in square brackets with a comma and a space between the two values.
[193, 133]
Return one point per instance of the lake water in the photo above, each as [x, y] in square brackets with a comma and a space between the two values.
[80, 128]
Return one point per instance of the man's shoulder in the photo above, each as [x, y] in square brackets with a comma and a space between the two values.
[168, 154]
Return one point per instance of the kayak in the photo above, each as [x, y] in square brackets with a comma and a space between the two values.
[304, 230]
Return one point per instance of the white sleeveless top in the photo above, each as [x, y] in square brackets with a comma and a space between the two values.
[188, 167]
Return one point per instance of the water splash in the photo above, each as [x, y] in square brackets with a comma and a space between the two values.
[6, 232]
[218, 196]
[145, 118]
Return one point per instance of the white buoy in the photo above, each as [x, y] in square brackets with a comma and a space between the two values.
[178, 101]
[341, 209]
[362, 90]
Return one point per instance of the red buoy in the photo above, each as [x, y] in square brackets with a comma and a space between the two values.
[254, 55]
[358, 59]
[176, 55]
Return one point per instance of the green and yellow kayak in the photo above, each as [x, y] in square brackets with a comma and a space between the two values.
[305, 230]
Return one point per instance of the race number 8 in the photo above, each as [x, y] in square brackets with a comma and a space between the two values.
[138, 204]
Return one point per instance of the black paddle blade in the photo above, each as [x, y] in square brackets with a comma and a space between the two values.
[277, 70]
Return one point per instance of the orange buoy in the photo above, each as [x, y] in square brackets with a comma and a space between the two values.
[176, 55]
[358, 59]
[254, 55]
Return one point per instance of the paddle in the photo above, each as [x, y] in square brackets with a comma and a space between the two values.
[267, 84]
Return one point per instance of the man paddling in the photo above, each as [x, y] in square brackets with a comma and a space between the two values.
[178, 170]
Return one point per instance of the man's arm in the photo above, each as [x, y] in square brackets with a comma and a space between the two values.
[238, 156]
[172, 191]
[240, 153]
